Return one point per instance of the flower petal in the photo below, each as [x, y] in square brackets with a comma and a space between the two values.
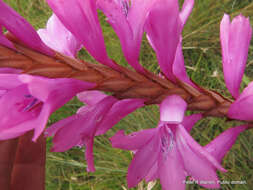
[53, 129]
[189, 121]
[241, 108]
[41, 120]
[12, 107]
[137, 17]
[9, 81]
[81, 19]
[82, 129]
[69, 134]
[116, 13]
[20, 28]
[91, 97]
[184, 138]
[152, 173]
[118, 111]
[57, 37]
[171, 170]
[163, 28]
[172, 109]
[133, 141]
[148, 154]
[178, 66]
[58, 91]
[89, 155]
[235, 40]
[221, 144]
[186, 10]
[196, 166]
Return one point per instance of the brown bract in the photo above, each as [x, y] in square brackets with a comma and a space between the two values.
[123, 84]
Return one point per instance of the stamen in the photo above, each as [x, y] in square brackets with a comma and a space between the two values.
[167, 141]
[125, 6]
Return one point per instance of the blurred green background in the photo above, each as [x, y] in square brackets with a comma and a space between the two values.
[67, 171]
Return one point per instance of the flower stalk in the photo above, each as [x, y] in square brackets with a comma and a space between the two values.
[122, 84]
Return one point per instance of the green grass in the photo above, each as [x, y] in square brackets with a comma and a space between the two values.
[67, 171]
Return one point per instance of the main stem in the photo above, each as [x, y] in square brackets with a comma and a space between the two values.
[122, 83]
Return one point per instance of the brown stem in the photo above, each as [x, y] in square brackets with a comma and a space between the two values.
[122, 84]
[29, 167]
[7, 157]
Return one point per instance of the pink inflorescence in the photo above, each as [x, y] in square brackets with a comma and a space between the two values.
[168, 151]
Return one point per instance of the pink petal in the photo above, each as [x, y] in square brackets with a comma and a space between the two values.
[241, 108]
[57, 37]
[190, 121]
[186, 10]
[178, 66]
[41, 120]
[171, 170]
[172, 109]
[13, 104]
[81, 19]
[91, 97]
[235, 40]
[53, 129]
[119, 110]
[89, 155]
[184, 138]
[133, 141]
[137, 17]
[9, 81]
[20, 28]
[58, 91]
[152, 173]
[33, 121]
[69, 134]
[116, 14]
[163, 28]
[196, 165]
[222, 144]
[82, 129]
[143, 161]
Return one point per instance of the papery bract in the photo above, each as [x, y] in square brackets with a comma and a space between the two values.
[235, 40]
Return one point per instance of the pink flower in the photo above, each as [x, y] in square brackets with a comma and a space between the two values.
[163, 28]
[164, 34]
[57, 37]
[128, 23]
[21, 29]
[241, 108]
[100, 114]
[28, 101]
[235, 40]
[170, 153]
[81, 19]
